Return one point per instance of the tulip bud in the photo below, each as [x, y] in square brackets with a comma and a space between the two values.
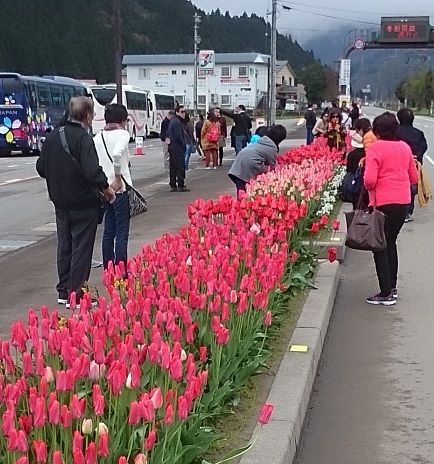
[183, 355]
[140, 459]
[102, 429]
[87, 426]
[128, 382]
[48, 375]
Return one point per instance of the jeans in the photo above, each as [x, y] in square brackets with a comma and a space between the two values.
[187, 154]
[309, 136]
[240, 184]
[116, 230]
[386, 261]
[177, 167]
[76, 231]
[240, 143]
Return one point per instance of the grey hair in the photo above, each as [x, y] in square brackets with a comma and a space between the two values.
[80, 108]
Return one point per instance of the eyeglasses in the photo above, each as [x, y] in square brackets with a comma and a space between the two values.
[182, 112]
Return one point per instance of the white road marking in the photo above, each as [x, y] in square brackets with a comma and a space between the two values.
[14, 181]
[31, 162]
[429, 159]
[14, 166]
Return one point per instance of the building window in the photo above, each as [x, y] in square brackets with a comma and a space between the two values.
[242, 71]
[201, 99]
[180, 99]
[226, 100]
[184, 72]
[226, 71]
[173, 72]
[144, 73]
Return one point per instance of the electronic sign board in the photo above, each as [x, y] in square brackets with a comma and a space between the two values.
[410, 29]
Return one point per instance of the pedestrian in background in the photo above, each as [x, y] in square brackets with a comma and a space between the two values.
[198, 133]
[320, 128]
[310, 118]
[354, 114]
[242, 126]
[114, 157]
[389, 172]
[210, 140]
[223, 133]
[335, 132]
[364, 128]
[177, 151]
[164, 137]
[190, 145]
[75, 180]
[257, 158]
[416, 140]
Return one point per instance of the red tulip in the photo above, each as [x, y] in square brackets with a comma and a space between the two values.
[98, 400]
[332, 253]
[90, 455]
[336, 224]
[314, 229]
[266, 411]
[54, 413]
[182, 408]
[22, 444]
[268, 319]
[79, 458]
[176, 369]
[22, 460]
[122, 460]
[65, 416]
[57, 457]
[203, 354]
[39, 416]
[150, 441]
[40, 448]
[169, 415]
[103, 445]
[135, 413]
[77, 442]
[293, 256]
[76, 407]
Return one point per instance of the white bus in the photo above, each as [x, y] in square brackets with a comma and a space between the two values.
[135, 100]
[160, 104]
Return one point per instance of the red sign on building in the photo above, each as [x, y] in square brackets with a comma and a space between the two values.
[413, 29]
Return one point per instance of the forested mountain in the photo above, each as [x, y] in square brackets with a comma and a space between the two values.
[75, 37]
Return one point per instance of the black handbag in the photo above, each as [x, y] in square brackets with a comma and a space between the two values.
[365, 229]
[138, 204]
[99, 195]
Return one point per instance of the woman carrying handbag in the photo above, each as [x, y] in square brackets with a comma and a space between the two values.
[389, 172]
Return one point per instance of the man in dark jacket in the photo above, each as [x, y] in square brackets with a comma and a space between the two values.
[415, 139]
[310, 118]
[242, 126]
[74, 182]
[177, 147]
[164, 137]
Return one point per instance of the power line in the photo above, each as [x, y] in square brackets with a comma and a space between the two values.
[334, 17]
[291, 2]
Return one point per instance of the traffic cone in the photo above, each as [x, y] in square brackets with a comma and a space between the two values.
[139, 146]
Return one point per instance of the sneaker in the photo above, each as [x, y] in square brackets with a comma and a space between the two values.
[408, 218]
[215, 167]
[94, 303]
[183, 189]
[62, 301]
[381, 300]
[208, 167]
[95, 264]
[173, 189]
[394, 293]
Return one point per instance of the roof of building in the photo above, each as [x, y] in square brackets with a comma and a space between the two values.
[281, 64]
[188, 58]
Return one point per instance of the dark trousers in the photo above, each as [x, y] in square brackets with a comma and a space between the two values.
[386, 261]
[413, 193]
[116, 230]
[220, 155]
[240, 143]
[309, 136]
[76, 232]
[240, 184]
[176, 167]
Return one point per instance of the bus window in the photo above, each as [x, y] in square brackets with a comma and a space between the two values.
[44, 94]
[68, 93]
[136, 101]
[79, 91]
[57, 96]
[104, 96]
[10, 85]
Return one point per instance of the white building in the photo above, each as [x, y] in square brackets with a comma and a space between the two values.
[239, 78]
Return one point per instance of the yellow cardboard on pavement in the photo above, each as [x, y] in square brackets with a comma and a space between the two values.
[298, 348]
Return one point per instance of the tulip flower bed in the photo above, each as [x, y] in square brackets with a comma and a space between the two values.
[141, 377]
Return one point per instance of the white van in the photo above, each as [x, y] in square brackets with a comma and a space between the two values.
[291, 105]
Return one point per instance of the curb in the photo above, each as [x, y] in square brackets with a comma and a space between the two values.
[290, 393]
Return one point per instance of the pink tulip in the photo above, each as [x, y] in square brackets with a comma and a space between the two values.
[203, 354]
[22, 460]
[54, 413]
[332, 254]
[265, 415]
[39, 416]
[78, 458]
[122, 460]
[141, 459]
[157, 398]
[103, 445]
[90, 455]
[77, 442]
[336, 224]
[57, 457]
[151, 439]
[98, 400]
[182, 408]
[135, 413]
[268, 319]
[41, 453]
[169, 415]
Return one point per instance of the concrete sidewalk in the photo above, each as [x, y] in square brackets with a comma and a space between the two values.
[29, 275]
[373, 398]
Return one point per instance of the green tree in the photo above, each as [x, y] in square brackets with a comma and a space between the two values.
[314, 78]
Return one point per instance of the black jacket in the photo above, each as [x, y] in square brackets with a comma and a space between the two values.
[243, 124]
[415, 138]
[70, 186]
[176, 134]
[310, 118]
[164, 129]
[353, 159]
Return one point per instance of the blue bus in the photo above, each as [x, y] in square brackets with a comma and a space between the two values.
[30, 107]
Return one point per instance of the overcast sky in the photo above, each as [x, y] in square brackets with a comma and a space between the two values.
[301, 23]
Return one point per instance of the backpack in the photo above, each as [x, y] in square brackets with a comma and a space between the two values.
[213, 134]
[352, 186]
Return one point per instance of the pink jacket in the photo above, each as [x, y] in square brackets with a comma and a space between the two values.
[389, 171]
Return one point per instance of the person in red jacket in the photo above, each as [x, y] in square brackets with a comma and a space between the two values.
[389, 171]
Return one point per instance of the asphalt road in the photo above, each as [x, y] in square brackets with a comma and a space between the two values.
[373, 398]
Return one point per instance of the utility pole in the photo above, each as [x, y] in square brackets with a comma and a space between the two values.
[197, 21]
[118, 48]
[273, 62]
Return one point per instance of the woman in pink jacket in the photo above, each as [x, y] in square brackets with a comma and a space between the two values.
[390, 170]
